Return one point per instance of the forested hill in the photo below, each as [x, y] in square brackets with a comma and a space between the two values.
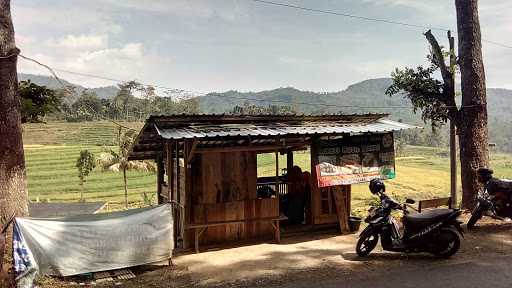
[369, 93]
[52, 83]
[354, 99]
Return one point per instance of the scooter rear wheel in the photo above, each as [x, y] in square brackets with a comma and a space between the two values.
[447, 243]
[366, 244]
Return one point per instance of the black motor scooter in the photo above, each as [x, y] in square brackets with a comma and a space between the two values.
[435, 231]
[495, 200]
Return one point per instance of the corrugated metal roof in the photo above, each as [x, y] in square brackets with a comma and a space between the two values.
[194, 131]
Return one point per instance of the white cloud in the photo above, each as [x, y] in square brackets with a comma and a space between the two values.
[420, 5]
[127, 62]
[52, 18]
[80, 42]
[112, 57]
[226, 10]
[204, 44]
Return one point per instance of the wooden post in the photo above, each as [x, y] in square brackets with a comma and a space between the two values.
[187, 147]
[341, 197]
[185, 162]
[453, 139]
[289, 161]
[176, 194]
[187, 202]
[178, 172]
[277, 172]
[315, 191]
[170, 170]
[453, 165]
[159, 178]
[170, 184]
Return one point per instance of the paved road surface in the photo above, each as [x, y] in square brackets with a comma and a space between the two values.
[495, 272]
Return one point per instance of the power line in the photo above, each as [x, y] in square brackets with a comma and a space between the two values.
[227, 96]
[497, 43]
[176, 90]
[387, 21]
[331, 12]
[9, 56]
[325, 104]
[49, 69]
[52, 71]
[67, 89]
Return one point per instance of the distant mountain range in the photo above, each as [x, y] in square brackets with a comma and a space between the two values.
[369, 93]
[52, 83]
[364, 97]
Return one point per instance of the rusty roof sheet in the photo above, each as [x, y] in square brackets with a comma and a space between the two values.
[199, 131]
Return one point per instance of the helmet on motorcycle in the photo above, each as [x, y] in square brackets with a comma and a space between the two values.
[376, 186]
[484, 173]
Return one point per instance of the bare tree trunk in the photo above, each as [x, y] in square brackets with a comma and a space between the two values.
[13, 190]
[125, 189]
[473, 139]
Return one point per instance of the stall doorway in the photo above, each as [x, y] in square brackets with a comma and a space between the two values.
[287, 177]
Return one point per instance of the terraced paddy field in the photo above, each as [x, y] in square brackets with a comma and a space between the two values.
[52, 149]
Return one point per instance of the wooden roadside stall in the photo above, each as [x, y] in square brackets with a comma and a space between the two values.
[207, 166]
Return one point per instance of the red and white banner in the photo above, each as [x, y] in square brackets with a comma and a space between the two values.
[355, 159]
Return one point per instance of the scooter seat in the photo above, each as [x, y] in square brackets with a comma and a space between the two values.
[427, 217]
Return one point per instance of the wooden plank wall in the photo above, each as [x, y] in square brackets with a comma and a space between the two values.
[237, 210]
[224, 189]
[224, 177]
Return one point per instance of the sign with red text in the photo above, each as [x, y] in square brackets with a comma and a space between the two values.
[355, 159]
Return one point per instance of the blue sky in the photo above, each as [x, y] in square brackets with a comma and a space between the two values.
[218, 45]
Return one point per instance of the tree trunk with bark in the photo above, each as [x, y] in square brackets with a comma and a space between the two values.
[473, 134]
[13, 190]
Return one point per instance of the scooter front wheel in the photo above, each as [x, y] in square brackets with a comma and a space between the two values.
[366, 244]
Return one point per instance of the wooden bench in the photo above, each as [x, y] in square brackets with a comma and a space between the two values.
[200, 228]
[432, 203]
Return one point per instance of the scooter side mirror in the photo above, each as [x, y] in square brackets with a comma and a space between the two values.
[409, 201]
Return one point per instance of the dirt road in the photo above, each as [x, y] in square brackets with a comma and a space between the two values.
[327, 261]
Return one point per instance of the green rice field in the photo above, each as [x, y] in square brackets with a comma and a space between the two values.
[51, 151]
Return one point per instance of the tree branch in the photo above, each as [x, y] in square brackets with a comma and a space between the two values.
[447, 74]
[438, 56]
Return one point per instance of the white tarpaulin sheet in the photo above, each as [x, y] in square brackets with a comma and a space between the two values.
[88, 243]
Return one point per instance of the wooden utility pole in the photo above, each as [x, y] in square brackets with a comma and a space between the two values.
[13, 189]
[448, 74]
[453, 137]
